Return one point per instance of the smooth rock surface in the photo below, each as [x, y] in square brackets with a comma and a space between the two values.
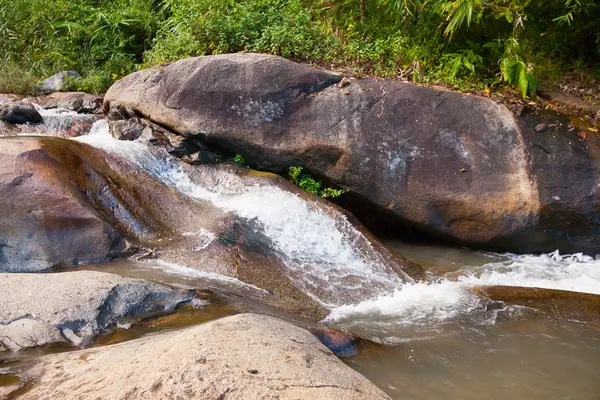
[44, 218]
[241, 357]
[78, 202]
[56, 82]
[39, 309]
[452, 165]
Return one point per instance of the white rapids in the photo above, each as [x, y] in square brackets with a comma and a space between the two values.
[431, 305]
[319, 246]
[325, 250]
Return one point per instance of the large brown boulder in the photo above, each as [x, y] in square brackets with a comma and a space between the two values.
[74, 101]
[241, 357]
[43, 219]
[453, 165]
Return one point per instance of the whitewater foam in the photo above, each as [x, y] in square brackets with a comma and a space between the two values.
[432, 304]
[321, 248]
[574, 272]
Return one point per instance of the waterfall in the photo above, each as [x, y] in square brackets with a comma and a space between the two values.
[324, 253]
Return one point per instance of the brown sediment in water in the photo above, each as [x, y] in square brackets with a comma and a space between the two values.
[185, 316]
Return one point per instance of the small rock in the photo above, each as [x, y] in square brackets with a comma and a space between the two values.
[341, 344]
[19, 113]
[126, 129]
[57, 81]
[540, 128]
[344, 82]
[253, 371]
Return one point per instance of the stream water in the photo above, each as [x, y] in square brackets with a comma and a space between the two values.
[439, 339]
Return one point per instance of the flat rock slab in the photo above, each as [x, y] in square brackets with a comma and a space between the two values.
[75, 101]
[39, 309]
[241, 357]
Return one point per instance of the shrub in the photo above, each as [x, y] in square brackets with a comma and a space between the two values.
[308, 183]
[101, 39]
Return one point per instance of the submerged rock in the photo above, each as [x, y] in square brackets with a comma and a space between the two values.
[18, 112]
[452, 165]
[57, 81]
[43, 220]
[40, 309]
[241, 357]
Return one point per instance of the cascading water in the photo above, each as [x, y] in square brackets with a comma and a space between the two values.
[58, 122]
[450, 297]
[322, 251]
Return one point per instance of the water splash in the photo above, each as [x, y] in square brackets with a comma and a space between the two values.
[57, 122]
[327, 257]
[574, 272]
[397, 317]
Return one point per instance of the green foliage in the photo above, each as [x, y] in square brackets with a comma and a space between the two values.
[101, 39]
[238, 159]
[308, 183]
[466, 43]
[200, 27]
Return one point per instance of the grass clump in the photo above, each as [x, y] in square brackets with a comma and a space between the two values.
[101, 39]
[308, 183]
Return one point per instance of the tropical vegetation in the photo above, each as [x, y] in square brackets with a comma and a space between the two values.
[463, 43]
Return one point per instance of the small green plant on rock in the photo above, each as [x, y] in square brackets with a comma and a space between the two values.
[238, 159]
[308, 183]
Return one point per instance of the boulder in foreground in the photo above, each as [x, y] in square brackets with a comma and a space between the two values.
[241, 357]
[40, 309]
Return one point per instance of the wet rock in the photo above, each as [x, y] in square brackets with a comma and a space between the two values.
[44, 219]
[563, 304]
[18, 112]
[40, 309]
[57, 81]
[450, 165]
[127, 129]
[74, 101]
[342, 344]
[215, 360]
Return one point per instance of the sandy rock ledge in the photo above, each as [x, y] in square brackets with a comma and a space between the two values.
[245, 356]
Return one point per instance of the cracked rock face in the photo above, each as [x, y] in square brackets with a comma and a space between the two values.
[241, 357]
[39, 309]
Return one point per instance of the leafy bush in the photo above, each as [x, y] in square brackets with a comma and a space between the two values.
[308, 183]
[201, 27]
[466, 43]
[101, 39]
